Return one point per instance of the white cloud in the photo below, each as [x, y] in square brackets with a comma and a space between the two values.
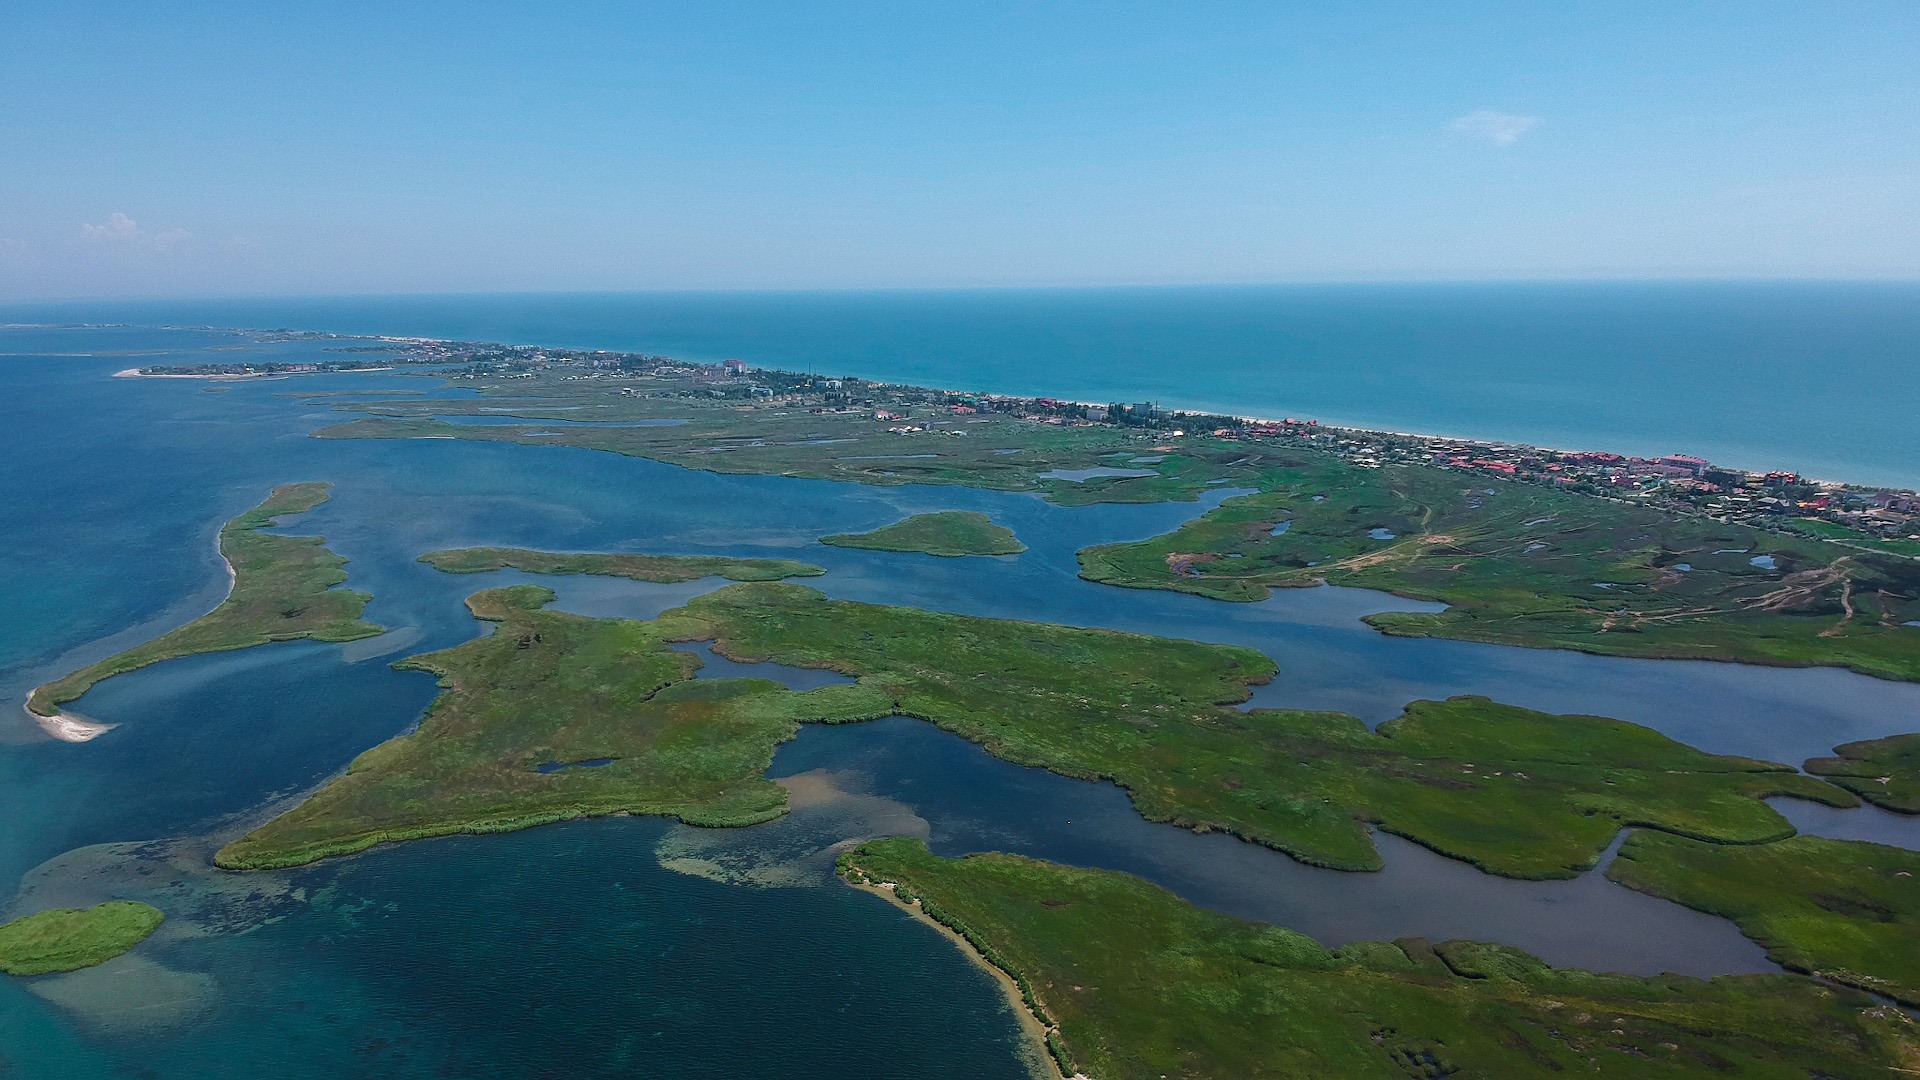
[118, 227]
[123, 230]
[1498, 128]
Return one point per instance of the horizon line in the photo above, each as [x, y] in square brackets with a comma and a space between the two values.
[800, 290]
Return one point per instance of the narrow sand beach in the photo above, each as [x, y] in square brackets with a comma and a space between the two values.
[1040, 1060]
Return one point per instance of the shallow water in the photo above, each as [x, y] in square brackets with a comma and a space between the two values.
[715, 666]
[1865, 822]
[1098, 471]
[559, 951]
[975, 802]
[590, 763]
[523, 421]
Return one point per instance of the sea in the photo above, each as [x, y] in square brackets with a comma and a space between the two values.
[640, 947]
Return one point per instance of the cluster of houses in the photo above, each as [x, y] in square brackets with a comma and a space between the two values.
[1680, 482]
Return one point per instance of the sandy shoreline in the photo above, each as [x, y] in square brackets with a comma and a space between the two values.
[66, 726]
[1030, 1025]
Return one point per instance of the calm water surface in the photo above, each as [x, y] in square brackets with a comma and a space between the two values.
[571, 949]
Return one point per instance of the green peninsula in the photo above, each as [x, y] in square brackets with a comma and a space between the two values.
[1129, 981]
[1529, 566]
[948, 533]
[1842, 909]
[1516, 792]
[283, 589]
[655, 568]
[1885, 772]
[68, 939]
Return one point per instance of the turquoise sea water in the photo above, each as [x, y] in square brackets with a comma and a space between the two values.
[573, 950]
[1819, 377]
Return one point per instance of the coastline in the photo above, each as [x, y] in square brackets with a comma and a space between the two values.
[1174, 408]
[1035, 1030]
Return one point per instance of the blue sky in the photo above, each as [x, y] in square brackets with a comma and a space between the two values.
[346, 147]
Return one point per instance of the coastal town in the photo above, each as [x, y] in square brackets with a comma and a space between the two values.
[1884, 519]
[1881, 519]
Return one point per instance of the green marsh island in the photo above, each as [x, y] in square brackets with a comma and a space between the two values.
[283, 589]
[68, 939]
[556, 716]
[949, 533]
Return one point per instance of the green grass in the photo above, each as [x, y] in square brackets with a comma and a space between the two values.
[1885, 772]
[1833, 530]
[1133, 982]
[727, 437]
[949, 533]
[68, 939]
[1829, 530]
[1517, 792]
[657, 568]
[1846, 910]
[283, 588]
[1534, 567]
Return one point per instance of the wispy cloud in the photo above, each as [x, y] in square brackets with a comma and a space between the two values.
[122, 230]
[1498, 128]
